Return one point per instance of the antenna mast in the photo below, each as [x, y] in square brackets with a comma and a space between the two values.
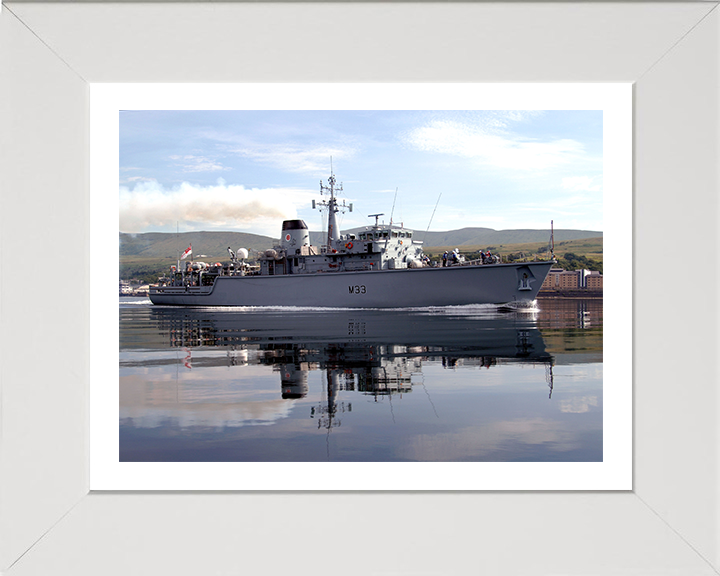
[393, 208]
[332, 205]
[432, 216]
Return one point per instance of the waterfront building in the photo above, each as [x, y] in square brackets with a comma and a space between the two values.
[559, 279]
[594, 281]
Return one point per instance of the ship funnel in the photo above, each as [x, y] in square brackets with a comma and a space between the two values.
[294, 381]
[295, 234]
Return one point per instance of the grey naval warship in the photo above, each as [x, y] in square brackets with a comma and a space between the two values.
[380, 267]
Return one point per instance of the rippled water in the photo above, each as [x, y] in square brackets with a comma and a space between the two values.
[289, 385]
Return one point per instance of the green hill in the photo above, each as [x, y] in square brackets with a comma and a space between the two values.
[149, 255]
[570, 254]
[466, 237]
[474, 236]
[213, 244]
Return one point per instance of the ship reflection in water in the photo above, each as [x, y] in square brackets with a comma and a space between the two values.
[462, 384]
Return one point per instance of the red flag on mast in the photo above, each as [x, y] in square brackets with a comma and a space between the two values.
[186, 253]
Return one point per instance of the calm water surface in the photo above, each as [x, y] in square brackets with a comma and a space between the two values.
[457, 384]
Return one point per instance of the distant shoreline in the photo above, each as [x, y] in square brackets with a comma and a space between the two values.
[579, 293]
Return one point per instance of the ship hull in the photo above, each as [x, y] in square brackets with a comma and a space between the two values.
[407, 288]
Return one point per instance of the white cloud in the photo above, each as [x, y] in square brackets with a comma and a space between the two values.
[305, 158]
[483, 441]
[492, 147]
[578, 405]
[217, 416]
[582, 184]
[150, 206]
[189, 163]
[314, 161]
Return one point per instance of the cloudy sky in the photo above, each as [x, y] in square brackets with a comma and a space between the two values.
[248, 170]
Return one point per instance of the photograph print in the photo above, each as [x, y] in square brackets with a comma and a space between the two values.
[361, 286]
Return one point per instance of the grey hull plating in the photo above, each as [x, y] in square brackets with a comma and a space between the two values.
[407, 288]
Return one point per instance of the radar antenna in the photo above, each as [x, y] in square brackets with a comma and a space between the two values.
[376, 216]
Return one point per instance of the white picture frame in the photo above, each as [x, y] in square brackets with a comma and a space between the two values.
[50, 53]
[613, 472]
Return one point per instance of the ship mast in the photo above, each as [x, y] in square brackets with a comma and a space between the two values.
[333, 233]
[333, 209]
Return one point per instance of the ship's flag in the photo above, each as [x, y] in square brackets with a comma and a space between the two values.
[186, 253]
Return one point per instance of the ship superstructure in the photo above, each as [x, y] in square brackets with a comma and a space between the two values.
[380, 247]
